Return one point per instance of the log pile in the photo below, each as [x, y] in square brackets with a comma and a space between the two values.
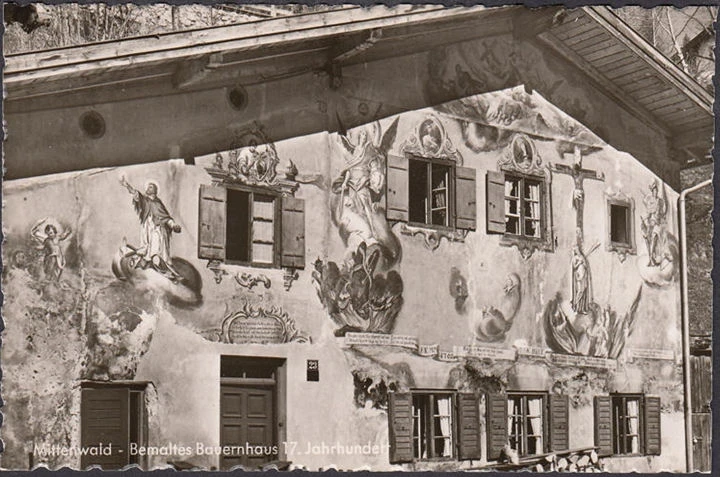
[573, 460]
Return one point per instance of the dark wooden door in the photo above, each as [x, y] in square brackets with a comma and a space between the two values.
[247, 420]
[104, 419]
[701, 375]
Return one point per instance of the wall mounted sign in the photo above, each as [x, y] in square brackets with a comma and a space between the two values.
[313, 370]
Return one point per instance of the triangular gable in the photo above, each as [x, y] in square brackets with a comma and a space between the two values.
[515, 109]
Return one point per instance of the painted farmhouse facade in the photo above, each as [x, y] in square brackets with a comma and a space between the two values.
[418, 255]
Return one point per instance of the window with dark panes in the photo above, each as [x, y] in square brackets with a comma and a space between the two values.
[433, 192]
[627, 424]
[430, 192]
[433, 425]
[620, 224]
[522, 206]
[526, 423]
[251, 226]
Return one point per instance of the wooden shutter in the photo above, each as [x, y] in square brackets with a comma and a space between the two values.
[652, 426]
[603, 425]
[559, 422]
[398, 191]
[496, 418]
[212, 222]
[104, 417]
[465, 202]
[400, 422]
[495, 191]
[293, 233]
[468, 426]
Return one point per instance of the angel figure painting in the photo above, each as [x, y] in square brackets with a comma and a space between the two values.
[356, 208]
[47, 238]
[361, 293]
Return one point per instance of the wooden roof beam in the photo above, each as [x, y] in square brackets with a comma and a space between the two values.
[554, 44]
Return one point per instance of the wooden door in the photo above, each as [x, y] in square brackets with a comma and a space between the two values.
[247, 420]
[701, 375]
[104, 420]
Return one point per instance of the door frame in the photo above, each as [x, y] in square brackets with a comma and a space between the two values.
[279, 398]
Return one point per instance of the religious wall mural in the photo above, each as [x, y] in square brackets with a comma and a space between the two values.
[659, 265]
[491, 323]
[150, 265]
[362, 292]
[579, 325]
[49, 241]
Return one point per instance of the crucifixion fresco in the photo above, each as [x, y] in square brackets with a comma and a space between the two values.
[582, 326]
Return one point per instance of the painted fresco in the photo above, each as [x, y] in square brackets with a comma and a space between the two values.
[362, 293]
[385, 307]
[150, 265]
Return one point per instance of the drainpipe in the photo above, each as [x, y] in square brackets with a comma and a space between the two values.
[686, 323]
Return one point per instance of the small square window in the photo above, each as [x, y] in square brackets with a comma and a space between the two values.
[250, 233]
[430, 193]
[620, 224]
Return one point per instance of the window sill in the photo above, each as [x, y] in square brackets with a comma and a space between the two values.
[527, 245]
[433, 234]
[621, 249]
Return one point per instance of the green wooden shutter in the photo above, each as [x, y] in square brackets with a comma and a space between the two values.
[603, 425]
[559, 422]
[652, 426]
[400, 423]
[465, 201]
[104, 415]
[398, 194]
[468, 426]
[495, 192]
[496, 418]
[293, 233]
[212, 222]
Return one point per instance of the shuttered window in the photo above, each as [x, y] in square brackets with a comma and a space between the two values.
[530, 423]
[251, 226]
[432, 192]
[433, 425]
[627, 424]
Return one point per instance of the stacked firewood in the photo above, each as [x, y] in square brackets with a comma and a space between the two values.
[579, 461]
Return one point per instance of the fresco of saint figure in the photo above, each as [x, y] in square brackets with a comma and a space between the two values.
[651, 223]
[49, 241]
[156, 228]
[581, 287]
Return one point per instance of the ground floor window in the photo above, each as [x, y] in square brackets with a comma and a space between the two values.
[627, 424]
[112, 416]
[433, 424]
[526, 423]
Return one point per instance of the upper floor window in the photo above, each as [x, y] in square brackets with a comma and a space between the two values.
[620, 225]
[522, 206]
[427, 185]
[251, 226]
[627, 424]
[518, 199]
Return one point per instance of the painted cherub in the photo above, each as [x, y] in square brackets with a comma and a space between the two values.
[49, 241]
